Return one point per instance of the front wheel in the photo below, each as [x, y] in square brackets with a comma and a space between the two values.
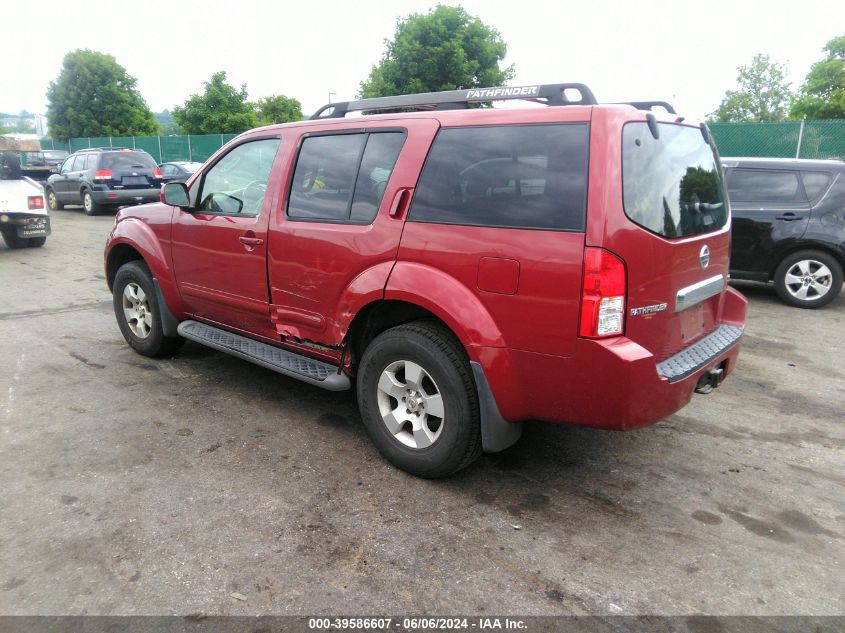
[138, 312]
[89, 204]
[808, 279]
[418, 400]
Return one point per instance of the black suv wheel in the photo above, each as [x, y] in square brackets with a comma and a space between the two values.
[89, 204]
[808, 279]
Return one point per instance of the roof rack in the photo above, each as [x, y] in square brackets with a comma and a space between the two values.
[650, 105]
[94, 149]
[549, 94]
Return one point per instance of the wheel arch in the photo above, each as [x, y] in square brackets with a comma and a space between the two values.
[793, 248]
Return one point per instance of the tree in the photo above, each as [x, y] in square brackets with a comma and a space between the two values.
[166, 124]
[445, 49]
[763, 95]
[823, 94]
[221, 108]
[278, 109]
[95, 96]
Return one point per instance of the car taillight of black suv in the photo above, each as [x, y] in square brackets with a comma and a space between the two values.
[99, 178]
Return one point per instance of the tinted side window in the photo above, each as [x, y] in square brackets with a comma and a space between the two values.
[380, 156]
[764, 185]
[237, 182]
[342, 177]
[815, 183]
[519, 176]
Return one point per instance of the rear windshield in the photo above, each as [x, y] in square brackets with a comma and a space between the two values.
[127, 160]
[671, 185]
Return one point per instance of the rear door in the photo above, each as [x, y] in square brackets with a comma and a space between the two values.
[129, 169]
[665, 214]
[769, 206]
[338, 231]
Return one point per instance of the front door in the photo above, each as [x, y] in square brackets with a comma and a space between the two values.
[768, 206]
[220, 246]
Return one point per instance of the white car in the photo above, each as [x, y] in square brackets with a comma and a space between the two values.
[24, 219]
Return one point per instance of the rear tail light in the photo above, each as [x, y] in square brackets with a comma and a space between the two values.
[103, 174]
[602, 294]
[35, 202]
[157, 172]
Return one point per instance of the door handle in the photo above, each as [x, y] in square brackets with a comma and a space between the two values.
[401, 202]
[788, 217]
[251, 241]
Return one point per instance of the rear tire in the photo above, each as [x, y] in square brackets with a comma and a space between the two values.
[418, 400]
[808, 279]
[89, 204]
[13, 241]
[138, 312]
[53, 202]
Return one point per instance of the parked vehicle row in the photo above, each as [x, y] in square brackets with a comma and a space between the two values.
[467, 268]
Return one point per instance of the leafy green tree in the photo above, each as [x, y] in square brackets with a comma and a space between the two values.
[220, 109]
[95, 96]
[278, 109]
[823, 94]
[166, 124]
[445, 49]
[763, 95]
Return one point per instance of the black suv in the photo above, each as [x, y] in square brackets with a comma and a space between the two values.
[789, 226]
[104, 177]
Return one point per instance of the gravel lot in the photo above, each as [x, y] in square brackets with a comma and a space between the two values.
[133, 486]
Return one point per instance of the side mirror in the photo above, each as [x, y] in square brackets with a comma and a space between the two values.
[175, 194]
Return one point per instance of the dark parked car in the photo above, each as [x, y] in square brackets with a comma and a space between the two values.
[789, 226]
[178, 171]
[104, 177]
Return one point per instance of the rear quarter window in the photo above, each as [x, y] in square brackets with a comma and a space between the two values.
[816, 183]
[672, 185]
[517, 176]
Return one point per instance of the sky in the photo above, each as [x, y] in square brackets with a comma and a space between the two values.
[683, 52]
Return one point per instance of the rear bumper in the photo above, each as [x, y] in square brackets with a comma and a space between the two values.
[26, 225]
[125, 196]
[612, 383]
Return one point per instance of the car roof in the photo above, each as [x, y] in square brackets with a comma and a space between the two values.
[811, 164]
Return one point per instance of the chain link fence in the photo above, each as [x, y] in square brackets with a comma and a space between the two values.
[781, 139]
[162, 148]
[777, 139]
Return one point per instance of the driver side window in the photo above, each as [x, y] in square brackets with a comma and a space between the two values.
[236, 184]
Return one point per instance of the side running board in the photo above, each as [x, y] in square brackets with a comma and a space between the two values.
[302, 368]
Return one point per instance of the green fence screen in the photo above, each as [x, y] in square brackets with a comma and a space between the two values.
[781, 139]
[162, 148]
[778, 139]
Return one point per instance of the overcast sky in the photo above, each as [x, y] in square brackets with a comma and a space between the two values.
[684, 52]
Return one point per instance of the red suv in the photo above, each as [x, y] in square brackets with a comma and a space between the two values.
[466, 268]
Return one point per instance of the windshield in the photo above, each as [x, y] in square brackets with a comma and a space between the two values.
[56, 154]
[672, 185]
